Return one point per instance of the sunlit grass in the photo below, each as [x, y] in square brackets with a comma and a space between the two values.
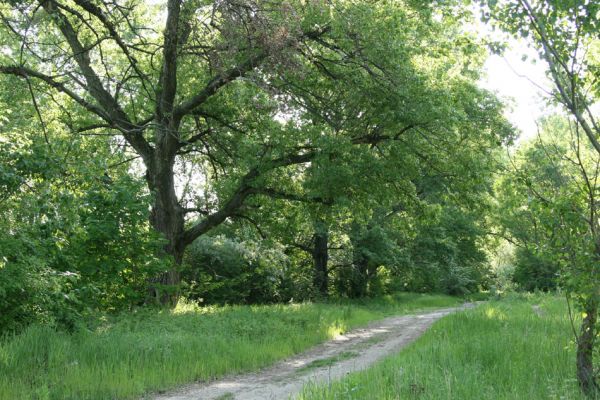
[135, 353]
[504, 349]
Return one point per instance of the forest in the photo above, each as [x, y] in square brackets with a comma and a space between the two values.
[194, 190]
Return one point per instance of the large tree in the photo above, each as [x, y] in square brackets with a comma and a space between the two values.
[236, 94]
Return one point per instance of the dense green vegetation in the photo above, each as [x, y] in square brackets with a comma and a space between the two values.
[207, 162]
[128, 355]
[520, 347]
[260, 152]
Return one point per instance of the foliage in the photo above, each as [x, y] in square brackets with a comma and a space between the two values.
[446, 255]
[503, 268]
[534, 272]
[548, 207]
[204, 158]
[545, 206]
[235, 105]
[565, 35]
[32, 292]
[113, 248]
[374, 253]
[222, 270]
[73, 239]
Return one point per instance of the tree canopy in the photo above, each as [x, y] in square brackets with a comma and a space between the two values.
[310, 124]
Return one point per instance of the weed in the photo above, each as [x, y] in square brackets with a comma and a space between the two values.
[504, 349]
[132, 354]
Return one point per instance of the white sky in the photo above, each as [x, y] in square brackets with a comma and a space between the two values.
[521, 83]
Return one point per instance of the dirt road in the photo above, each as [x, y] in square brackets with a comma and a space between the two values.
[354, 351]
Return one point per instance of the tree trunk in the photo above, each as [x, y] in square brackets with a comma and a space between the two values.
[358, 283]
[585, 350]
[320, 256]
[164, 288]
[167, 218]
[360, 266]
[360, 276]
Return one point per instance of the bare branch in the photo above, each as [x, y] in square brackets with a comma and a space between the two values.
[131, 132]
[241, 70]
[168, 78]
[25, 72]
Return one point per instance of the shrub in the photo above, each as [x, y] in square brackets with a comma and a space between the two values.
[31, 292]
[219, 270]
[534, 272]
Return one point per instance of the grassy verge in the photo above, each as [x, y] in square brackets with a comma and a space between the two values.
[135, 353]
[517, 348]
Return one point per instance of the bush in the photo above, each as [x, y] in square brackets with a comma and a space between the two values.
[112, 246]
[533, 272]
[69, 253]
[32, 292]
[219, 270]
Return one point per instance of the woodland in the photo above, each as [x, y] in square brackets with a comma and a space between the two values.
[225, 153]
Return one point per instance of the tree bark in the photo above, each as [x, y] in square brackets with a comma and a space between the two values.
[360, 276]
[585, 350]
[320, 257]
[169, 222]
[167, 216]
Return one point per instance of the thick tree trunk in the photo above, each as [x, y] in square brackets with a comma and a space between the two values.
[167, 218]
[585, 350]
[320, 256]
[164, 288]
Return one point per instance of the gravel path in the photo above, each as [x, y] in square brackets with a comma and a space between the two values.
[353, 351]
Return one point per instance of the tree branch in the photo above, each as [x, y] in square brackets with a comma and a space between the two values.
[246, 188]
[221, 80]
[131, 132]
[104, 19]
[261, 233]
[168, 75]
[24, 72]
[276, 194]
[216, 83]
[552, 58]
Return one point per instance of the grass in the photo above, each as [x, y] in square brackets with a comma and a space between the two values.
[504, 349]
[136, 353]
[324, 362]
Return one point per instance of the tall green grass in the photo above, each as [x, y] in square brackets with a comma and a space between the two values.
[135, 353]
[504, 349]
